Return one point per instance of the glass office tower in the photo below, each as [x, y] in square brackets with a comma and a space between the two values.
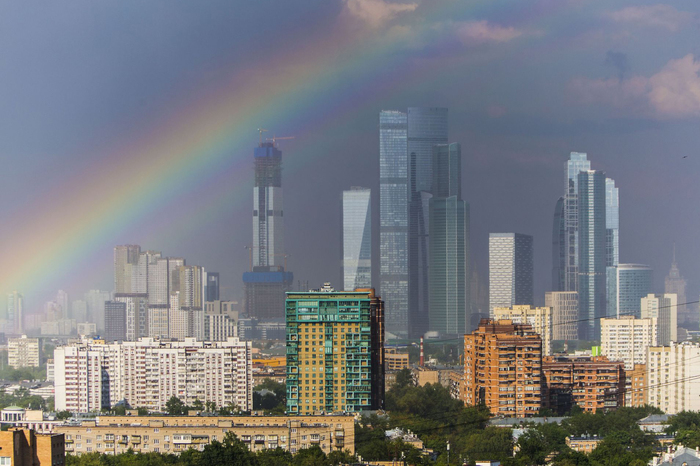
[357, 238]
[627, 285]
[511, 270]
[578, 161]
[612, 223]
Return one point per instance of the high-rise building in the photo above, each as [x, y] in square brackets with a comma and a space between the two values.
[663, 308]
[357, 238]
[612, 223]
[539, 318]
[627, 339]
[15, 313]
[115, 321]
[213, 286]
[78, 310]
[136, 314]
[22, 352]
[591, 253]
[427, 127]
[124, 257]
[449, 245]
[511, 270]
[335, 351]
[95, 300]
[559, 255]
[577, 163]
[564, 306]
[393, 219]
[62, 301]
[626, 285]
[502, 368]
[266, 283]
[672, 377]
[675, 284]
[92, 375]
[220, 320]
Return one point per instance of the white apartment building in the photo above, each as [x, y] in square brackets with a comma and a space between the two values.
[540, 318]
[664, 307]
[673, 377]
[627, 339]
[23, 352]
[146, 373]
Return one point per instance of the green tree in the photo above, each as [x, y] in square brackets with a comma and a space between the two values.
[274, 457]
[230, 452]
[175, 407]
[312, 456]
[62, 415]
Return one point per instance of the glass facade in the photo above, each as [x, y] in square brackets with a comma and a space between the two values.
[578, 162]
[357, 239]
[612, 223]
[393, 224]
[628, 284]
[591, 253]
[511, 268]
[558, 247]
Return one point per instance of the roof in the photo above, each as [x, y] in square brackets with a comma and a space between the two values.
[655, 419]
[516, 421]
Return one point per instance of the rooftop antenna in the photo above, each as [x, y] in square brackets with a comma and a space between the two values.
[261, 130]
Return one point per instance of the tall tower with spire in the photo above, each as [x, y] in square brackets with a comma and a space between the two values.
[675, 283]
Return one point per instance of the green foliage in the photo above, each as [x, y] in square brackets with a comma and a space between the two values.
[686, 426]
[175, 407]
[25, 373]
[275, 402]
[62, 415]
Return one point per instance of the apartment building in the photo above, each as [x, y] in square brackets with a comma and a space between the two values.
[636, 386]
[502, 368]
[592, 383]
[24, 447]
[175, 434]
[673, 373]
[627, 339]
[540, 318]
[23, 352]
[394, 360]
[92, 375]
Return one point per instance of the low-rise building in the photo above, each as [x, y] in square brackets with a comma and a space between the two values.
[24, 447]
[394, 360]
[583, 444]
[23, 352]
[175, 434]
[593, 384]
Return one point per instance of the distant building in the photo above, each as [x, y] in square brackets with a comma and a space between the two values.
[22, 352]
[636, 386]
[93, 375]
[578, 162]
[335, 351]
[95, 300]
[675, 284]
[15, 313]
[220, 320]
[612, 224]
[114, 435]
[115, 321]
[564, 306]
[395, 360]
[627, 339]
[539, 318]
[663, 308]
[136, 314]
[672, 373]
[502, 359]
[213, 286]
[559, 247]
[264, 291]
[627, 285]
[594, 384]
[356, 244]
[511, 269]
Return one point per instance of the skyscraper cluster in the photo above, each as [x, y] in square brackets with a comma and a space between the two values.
[424, 225]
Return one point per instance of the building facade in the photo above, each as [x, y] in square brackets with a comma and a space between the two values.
[539, 318]
[115, 321]
[335, 351]
[627, 284]
[449, 312]
[15, 313]
[675, 284]
[612, 223]
[93, 375]
[503, 368]
[356, 246]
[663, 308]
[564, 306]
[672, 375]
[627, 339]
[578, 162]
[22, 352]
[113, 435]
[25, 447]
[559, 247]
[511, 270]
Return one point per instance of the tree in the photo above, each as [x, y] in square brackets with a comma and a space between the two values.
[175, 407]
[276, 457]
[63, 415]
[198, 405]
[230, 452]
[312, 456]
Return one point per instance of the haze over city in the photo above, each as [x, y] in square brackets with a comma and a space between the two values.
[135, 123]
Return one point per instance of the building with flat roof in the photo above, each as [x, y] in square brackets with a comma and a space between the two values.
[627, 339]
[22, 352]
[672, 374]
[395, 360]
[511, 270]
[663, 308]
[24, 447]
[335, 351]
[113, 435]
[540, 318]
[564, 306]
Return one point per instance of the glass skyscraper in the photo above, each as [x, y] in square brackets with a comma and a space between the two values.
[578, 162]
[393, 224]
[627, 285]
[357, 239]
[559, 247]
[591, 252]
[449, 244]
[612, 223]
[511, 270]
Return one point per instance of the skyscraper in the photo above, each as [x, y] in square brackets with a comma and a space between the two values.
[664, 308]
[559, 255]
[15, 313]
[627, 284]
[591, 252]
[612, 223]
[266, 283]
[115, 321]
[95, 300]
[335, 351]
[213, 286]
[675, 284]
[357, 238]
[393, 215]
[577, 162]
[124, 257]
[511, 270]
[427, 126]
[449, 244]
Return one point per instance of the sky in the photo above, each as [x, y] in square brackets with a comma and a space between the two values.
[128, 122]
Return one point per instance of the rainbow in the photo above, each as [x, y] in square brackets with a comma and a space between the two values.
[193, 146]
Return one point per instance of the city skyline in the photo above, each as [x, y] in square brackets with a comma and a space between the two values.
[185, 148]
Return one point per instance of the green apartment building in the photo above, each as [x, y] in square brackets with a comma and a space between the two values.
[335, 351]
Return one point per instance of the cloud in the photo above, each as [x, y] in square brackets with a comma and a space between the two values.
[376, 13]
[673, 92]
[659, 16]
[617, 60]
[480, 32]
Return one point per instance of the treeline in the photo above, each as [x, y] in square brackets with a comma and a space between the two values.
[230, 452]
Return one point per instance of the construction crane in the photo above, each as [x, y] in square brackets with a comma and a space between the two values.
[261, 130]
[274, 139]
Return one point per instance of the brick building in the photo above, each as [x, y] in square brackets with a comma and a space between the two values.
[24, 447]
[502, 368]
